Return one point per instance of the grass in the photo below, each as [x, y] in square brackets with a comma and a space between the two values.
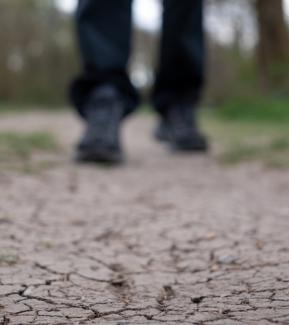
[17, 150]
[251, 128]
[266, 153]
[23, 108]
[247, 139]
[243, 130]
[256, 109]
[23, 145]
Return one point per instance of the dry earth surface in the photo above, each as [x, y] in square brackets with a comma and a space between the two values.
[165, 239]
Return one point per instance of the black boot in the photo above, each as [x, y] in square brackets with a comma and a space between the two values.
[179, 127]
[101, 140]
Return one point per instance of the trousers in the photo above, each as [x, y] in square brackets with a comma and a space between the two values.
[104, 30]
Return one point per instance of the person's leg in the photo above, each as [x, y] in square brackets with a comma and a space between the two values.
[103, 94]
[104, 33]
[180, 76]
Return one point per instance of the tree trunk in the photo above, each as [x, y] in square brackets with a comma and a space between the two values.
[273, 47]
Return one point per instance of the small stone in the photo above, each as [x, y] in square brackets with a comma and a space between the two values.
[166, 293]
[9, 259]
[28, 291]
[245, 301]
[260, 244]
[118, 281]
[197, 300]
[210, 236]
[227, 259]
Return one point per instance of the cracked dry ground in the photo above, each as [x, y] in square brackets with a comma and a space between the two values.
[165, 239]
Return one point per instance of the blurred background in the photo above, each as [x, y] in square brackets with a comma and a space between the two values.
[247, 39]
[247, 70]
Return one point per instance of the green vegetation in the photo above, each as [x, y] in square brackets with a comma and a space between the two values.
[256, 109]
[240, 153]
[256, 133]
[13, 107]
[242, 130]
[16, 146]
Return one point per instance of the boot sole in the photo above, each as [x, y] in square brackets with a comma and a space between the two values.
[195, 147]
[99, 156]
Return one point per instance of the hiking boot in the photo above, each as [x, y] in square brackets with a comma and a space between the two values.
[101, 139]
[179, 128]
[162, 132]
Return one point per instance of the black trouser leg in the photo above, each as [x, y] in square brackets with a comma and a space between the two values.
[180, 76]
[104, 33]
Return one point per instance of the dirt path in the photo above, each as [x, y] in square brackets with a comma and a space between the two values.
[165, 239]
